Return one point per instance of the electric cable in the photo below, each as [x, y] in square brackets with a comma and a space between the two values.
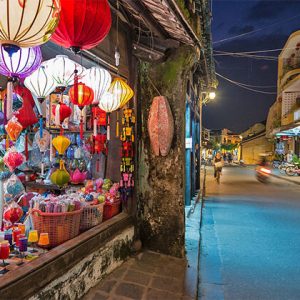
[255, 30]
[242, 85]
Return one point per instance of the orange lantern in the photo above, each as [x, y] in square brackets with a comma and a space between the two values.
[81, 95]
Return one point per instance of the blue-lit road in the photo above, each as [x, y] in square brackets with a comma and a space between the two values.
[250, 238]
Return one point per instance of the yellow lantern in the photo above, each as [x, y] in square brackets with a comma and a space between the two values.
[121, 90]
[27, 23]
[61, 144]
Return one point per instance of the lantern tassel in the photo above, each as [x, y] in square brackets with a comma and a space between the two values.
[9, 100]
[98, 165]
[26, 146]
[118, 125]
[7, 142]
[108, 127]
[41, 126]
[76, 86]
[81, 126]
[95, 126]
[57, 115]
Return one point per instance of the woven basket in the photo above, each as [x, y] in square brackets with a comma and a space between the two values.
[91, 216]
[60, 227]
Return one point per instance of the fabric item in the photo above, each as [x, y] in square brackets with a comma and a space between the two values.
[83, 24]
[28, 23]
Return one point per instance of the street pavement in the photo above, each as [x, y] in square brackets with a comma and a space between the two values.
[250, 238]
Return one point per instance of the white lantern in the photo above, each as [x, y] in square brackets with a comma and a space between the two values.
[99, 80]
[62, 70]
[40, 83]
[109, 102]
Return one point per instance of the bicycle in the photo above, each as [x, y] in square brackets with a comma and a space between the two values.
[218, 174]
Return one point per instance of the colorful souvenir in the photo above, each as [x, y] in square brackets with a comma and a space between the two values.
[61, 144]
[13, 128]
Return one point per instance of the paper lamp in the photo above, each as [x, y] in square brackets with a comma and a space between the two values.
[83, 24]
[109, 103]
[61, 144]
[22, 63]
[27, 23]
[121, 90]
[99, 80]
[60, 177]
[44, 240]
[40, 83]
[61, 112]
[85, 95]
[62, 70]
[44, 141]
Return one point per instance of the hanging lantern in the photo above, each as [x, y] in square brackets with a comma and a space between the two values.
[22, 63]
[84, 97]
[121, 90]
[109, 103]
[40, 83]
[99, 80]
[18, 65]
[44, 141]
[83, 24]
[62, 70]
[13, 129]
[27, 23]
[61, 112]
[60, 177]
[61, 144]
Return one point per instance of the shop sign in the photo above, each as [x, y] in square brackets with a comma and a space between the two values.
[189, 143]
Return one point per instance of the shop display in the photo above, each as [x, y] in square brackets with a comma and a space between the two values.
[55, 119]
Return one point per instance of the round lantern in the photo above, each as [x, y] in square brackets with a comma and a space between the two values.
[60, 177]
[27, 23]
[121, 90]
[61, 144]
[62, 70]
[99, 80]
[85, 95]
[26, 115]
[40, 83]
[61, 112]
[83, 24]
[109, 103]
[22, 63]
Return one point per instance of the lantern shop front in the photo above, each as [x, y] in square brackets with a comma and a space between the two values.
[67, 128]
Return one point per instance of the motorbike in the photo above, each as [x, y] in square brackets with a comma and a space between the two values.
[283, 166]
[263, 174]
[293, 170]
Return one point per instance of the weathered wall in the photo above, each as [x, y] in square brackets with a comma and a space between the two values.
[160, 180]
[252, 149]
[86, 274]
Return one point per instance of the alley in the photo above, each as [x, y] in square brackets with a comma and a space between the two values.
[250, 238]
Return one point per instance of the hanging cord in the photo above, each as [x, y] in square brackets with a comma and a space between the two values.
[154, 85]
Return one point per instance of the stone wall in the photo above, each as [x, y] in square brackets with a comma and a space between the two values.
[160, 180]
[75, 282]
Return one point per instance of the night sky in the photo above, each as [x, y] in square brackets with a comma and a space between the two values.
[236, 108]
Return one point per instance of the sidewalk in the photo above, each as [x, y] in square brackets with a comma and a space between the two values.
[149, 275]
[292, 179]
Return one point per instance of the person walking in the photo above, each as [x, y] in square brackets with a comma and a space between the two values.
[218, 163]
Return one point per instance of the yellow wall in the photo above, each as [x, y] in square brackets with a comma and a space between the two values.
[252, 149]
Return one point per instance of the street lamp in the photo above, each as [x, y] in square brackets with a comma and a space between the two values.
[204, 98]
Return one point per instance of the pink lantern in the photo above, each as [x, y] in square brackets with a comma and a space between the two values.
[13, 159]
[78, 177]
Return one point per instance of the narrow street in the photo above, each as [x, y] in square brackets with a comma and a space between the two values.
[250, 238]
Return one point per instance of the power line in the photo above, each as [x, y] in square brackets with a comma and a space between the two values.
[244, 86]
[241, 55]
[255, 30]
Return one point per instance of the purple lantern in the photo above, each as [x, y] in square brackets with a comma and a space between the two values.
[19, 64]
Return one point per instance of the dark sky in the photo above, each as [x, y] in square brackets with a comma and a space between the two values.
[236, 108]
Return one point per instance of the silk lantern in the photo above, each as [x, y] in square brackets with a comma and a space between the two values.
[123, 92]
[83, 24]
[27, 23]
[84, 97]
[60, 177]
[41, 84]
[62, 70]
[26, 115]
[19, 65]
[109, 103]
[61, 144]
[23, 92]
[61, 112]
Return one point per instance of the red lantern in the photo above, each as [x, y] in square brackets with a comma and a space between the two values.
[85, 95]
[81, 95]
[100, 115]
[61, 112]
[25, 114]
[83, 24]
[23, 92]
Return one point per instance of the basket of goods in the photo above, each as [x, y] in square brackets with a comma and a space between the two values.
[112, 204]
[58, 216]
[92, 212]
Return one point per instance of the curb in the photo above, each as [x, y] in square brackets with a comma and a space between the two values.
[286, 179]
